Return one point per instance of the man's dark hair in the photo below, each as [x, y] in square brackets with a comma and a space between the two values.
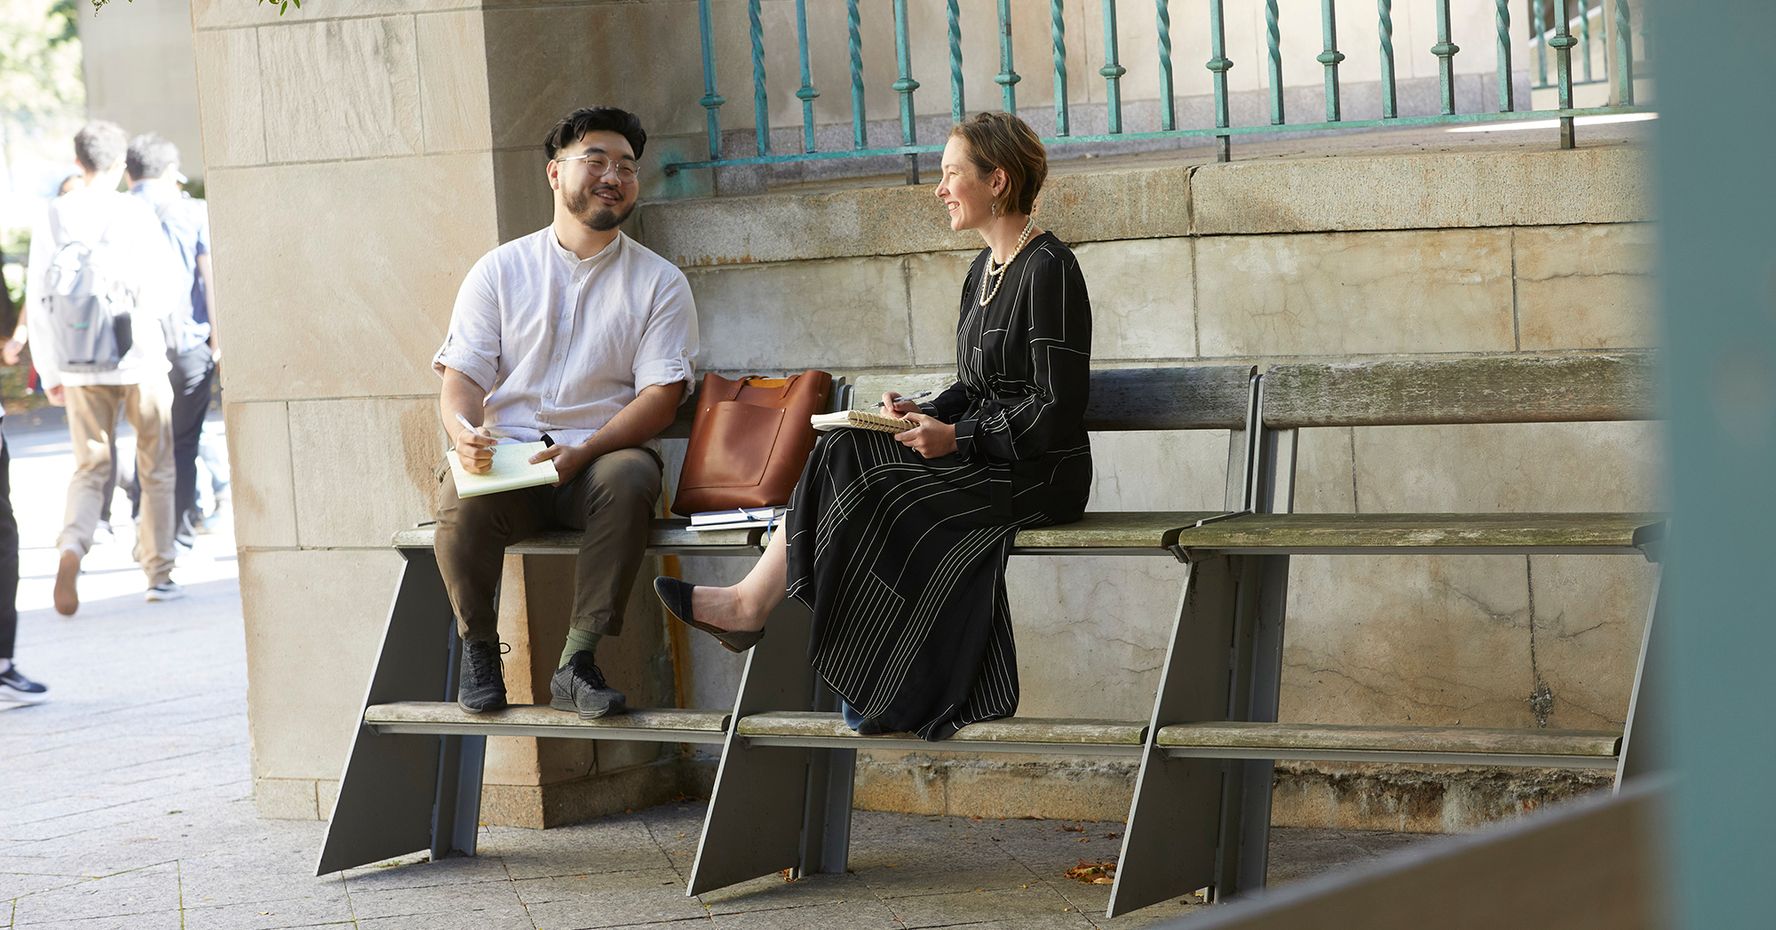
[99, 145]
[595, 119]
[150, 156]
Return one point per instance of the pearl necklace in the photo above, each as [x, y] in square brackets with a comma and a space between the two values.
[996, 270]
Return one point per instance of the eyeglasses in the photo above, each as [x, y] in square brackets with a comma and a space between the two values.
[600, 164]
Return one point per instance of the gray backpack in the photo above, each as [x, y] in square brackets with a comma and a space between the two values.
[88, 301]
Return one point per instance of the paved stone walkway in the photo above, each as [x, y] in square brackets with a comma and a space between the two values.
[126, 802]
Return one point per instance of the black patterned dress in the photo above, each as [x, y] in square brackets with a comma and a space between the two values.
[902, 558]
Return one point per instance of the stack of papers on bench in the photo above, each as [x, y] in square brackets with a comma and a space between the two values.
[737, 519]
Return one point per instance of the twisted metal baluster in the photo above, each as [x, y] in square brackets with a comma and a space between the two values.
[1274, 36]
[1168, 117]
[1058, 32]
[1390, 97]
[859, 137]
[958, 111]
[1624, 55]
[761, 104]
[1507, 95]
[1445, 51]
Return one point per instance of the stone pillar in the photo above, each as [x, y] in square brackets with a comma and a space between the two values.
[358, 166]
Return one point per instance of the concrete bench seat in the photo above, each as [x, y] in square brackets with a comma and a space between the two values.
[1427, 533]
[1013, 734]
[1103, 532]
[1356, 743]
[648, 724]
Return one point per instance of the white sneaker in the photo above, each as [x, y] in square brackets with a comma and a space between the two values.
[165, 591]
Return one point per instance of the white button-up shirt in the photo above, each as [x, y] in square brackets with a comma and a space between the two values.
[561, 344]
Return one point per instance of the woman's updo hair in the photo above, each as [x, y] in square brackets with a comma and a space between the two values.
[1001, 140]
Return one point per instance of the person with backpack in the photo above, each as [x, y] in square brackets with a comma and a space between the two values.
[151, 167]
[100, 293]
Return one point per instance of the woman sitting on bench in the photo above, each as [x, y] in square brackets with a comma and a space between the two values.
[898, 541]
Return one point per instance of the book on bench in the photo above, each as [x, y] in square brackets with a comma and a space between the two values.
[511, 471]
[857, 419]
[746, 519]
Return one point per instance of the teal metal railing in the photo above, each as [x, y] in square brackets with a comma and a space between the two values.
[1552, 25]
[1589, 28]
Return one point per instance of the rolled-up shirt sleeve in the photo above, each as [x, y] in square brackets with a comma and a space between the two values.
[472, 344]
[668, 347]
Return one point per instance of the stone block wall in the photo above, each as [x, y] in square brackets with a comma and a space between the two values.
[360, 160]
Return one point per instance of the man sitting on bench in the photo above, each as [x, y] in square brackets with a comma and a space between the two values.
[579, 336]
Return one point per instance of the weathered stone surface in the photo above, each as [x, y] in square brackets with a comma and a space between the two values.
[1585, 287]
[1319, 294]
[386, 299]
[347, 498]
[837, 315]
[1150, 203]
[369, 106]
[287, 799]
[1536, 467]
[234, 132]
[1397, 797]
[216, 14]
[264, 487]
[452, 50]
[314, 622]
[1419, 640]
[1158, 470]
[1589, 616]
[1325, 476]
[1430, 190]
[934, 294]
[521, 193]
[1142, 298]
[1105, 618]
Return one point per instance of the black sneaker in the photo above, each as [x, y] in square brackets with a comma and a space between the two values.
[15, 688]
[480, 685]
[579, 686]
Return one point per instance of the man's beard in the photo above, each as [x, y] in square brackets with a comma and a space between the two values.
[588, 209]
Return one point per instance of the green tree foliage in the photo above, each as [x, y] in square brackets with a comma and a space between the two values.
[39, 60]
[282, 5]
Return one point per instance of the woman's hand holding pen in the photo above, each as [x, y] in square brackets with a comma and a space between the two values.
[894, 405]
[474, 446]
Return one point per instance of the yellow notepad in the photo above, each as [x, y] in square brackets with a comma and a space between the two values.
[511, 470]
[857, 419]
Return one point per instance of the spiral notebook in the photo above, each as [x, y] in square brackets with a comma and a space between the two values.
[511, 471]
[857, 419]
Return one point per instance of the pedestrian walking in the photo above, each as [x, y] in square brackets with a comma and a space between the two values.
[100, 295]
[14, 686]
[151, 167]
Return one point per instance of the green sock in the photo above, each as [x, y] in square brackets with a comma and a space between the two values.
[578, 641]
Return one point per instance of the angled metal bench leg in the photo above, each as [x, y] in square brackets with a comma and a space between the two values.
[1169, 845]
[826, 831]
[1643, 732]
[456, 812]
[1244, 855]
[760, 806]
[391, 792]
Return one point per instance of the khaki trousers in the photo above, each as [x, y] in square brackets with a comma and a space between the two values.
[612, 501]
[92, 416]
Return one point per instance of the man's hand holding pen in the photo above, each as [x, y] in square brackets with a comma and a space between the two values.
[474, 446]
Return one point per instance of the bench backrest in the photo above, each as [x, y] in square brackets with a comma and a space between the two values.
[1513, 388]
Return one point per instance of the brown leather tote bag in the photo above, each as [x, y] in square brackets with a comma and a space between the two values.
[749, 441]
